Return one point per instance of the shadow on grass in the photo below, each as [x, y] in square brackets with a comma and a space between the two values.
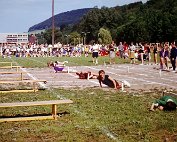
[43, 114]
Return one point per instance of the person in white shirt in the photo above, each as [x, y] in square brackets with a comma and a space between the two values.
[132, 53]
[95, 50]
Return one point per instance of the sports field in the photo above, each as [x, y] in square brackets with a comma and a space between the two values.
[97, 114]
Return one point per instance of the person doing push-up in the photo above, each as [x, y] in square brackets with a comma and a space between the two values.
[107, 80]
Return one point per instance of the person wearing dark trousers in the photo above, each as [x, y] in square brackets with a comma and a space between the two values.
[173, 56]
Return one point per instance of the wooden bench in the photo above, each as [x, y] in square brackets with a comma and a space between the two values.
[23, 81]
[10, 67]
[21, 73]
[53, 103]
[11, 63]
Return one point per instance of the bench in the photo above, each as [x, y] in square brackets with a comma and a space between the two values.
[21, 73]
[53, 103]
[11, 63]
[22, 81]
[10, 67]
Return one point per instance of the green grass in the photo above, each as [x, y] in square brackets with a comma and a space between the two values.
[94, 111]
[41, 62]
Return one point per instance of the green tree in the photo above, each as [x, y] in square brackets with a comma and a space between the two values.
[105, 36]
[75, 38]
[58, 36]
[40, 38]
[154, 21]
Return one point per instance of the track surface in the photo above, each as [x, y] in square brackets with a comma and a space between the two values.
[141, 77]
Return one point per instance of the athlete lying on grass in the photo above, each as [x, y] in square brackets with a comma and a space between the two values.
[107, 80]
[167, 103]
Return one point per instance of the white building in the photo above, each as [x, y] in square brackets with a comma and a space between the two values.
[14, 38]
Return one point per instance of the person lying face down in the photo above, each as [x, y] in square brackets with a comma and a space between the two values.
[107, 80]
[87, 75]
[56, 63]
[166, 103]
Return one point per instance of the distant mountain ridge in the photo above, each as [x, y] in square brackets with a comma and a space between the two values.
[65, 18]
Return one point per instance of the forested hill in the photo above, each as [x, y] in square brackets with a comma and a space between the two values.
[153, 21]
[62, 19]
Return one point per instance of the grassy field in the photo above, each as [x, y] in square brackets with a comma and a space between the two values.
[42, 61]
[94, 116]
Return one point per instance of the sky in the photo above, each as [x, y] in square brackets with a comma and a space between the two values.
[20, 15]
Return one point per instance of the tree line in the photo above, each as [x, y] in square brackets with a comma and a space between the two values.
[154, 21]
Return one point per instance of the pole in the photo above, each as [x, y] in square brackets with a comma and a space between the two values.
[67, 40]
[53, 24]
[85, 38]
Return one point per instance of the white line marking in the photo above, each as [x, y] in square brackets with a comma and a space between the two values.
[137, 78]
[30, 75]
[105, 131]
[147, 75]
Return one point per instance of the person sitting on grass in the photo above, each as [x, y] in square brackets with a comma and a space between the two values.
[167, 103]
[86, 75]
[107, 80]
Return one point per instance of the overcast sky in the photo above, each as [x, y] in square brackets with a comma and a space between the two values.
[19, 15]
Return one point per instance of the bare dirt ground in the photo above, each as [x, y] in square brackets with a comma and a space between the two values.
[141, 77]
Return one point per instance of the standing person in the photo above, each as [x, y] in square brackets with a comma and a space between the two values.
[173, 55]
[95, 50]
[161, 54]
[125, 50]
[132, 53]
[164, 57]
[86, 50]
[112, 53]
[141, 51]
[121, 50]
[1, 49]
[155, 53]
[107, 80]
[148, 48]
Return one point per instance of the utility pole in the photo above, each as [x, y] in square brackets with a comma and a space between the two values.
[53, 24]
[84, 37]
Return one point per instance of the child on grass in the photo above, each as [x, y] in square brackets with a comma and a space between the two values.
[164, 103]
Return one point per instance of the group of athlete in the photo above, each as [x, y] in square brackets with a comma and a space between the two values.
[167, 52]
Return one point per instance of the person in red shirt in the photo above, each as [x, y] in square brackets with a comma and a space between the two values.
[125, 45]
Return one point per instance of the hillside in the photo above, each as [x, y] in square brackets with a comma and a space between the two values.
[66, 18]
[153, 21]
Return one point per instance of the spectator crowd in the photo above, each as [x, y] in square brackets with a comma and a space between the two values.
[166, 52]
